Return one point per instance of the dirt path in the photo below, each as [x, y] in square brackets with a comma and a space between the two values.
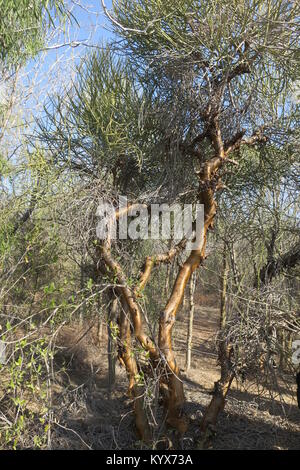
[251, 419]
[92, 418]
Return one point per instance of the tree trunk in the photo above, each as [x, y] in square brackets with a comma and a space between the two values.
[191, 320]
[175, 400]
[221, 389]
[224, 281]
[235, 272]
[167, 317]
[135, 390]
[209, 183]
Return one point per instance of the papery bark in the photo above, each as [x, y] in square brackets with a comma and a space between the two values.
[135, 391]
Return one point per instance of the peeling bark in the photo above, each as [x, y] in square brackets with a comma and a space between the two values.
[125, 347]
[155, 260]
[130, 313]
[135, 391]
[129, 297]
[208, 184]
[207, 188]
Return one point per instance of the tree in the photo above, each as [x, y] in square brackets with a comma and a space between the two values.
[223, 72]
[199, 83]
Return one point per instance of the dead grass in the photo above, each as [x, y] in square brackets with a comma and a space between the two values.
[88, 417]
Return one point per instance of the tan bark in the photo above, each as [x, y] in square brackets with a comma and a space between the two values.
[130, 305]
[167, 319]
[224, 280]
[208, 184]
[129, 297]
[167, 316]
[135, 391]
[125, 347]
[130, 312]
[155, 260]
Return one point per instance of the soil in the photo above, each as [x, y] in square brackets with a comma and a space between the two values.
[91, 417]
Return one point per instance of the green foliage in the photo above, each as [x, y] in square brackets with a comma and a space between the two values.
[104, 125]
[189, 48]
[24, 382]
[125, 125]
[259, 168]
[210, 30]
[5, 167]
[23, 25]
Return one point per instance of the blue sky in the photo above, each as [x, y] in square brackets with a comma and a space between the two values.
[54, 65]
[52, 70]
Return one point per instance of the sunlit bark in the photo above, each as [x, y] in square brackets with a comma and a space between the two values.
[208, 185]
[135, 391]
[167, 317]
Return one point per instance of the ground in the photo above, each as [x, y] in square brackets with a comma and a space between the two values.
[90, 417]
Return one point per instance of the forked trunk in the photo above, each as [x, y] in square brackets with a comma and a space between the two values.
[208, 184]
[167, 317]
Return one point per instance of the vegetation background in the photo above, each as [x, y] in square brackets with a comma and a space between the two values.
[164, 102]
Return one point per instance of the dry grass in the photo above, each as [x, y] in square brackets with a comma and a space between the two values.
[86, 416]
